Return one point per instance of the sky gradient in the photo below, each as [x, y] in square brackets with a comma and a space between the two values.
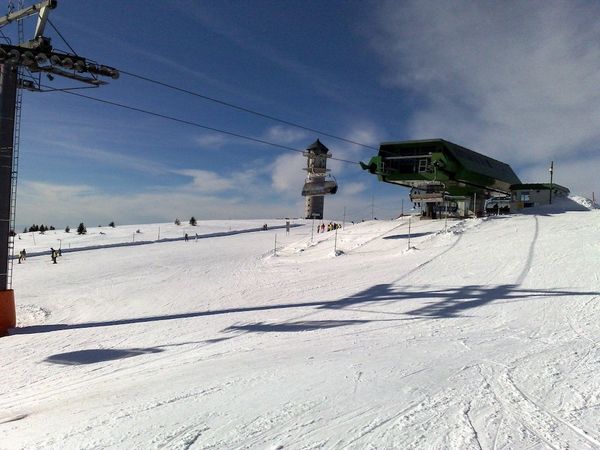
[517, 81]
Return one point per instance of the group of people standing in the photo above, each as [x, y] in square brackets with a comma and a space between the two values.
[330, 227]
[54, 254]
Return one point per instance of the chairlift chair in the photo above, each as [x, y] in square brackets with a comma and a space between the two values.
[320, 187]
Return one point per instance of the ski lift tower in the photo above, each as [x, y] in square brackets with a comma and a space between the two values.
[21, 67]
[317, 185]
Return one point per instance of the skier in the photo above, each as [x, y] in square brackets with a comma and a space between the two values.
[22, 256]
[186, 237]
[53, 255]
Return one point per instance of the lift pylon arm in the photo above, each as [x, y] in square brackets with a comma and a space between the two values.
[43, 18]
[63, 64]
[41, 7]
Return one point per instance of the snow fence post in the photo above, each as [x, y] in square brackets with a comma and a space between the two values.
[275, 248]
[409, 231]
[335, 242]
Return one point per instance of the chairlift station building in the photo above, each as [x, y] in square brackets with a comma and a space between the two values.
[441, 173]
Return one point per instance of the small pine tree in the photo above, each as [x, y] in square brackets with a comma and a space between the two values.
[68, 229]
[177, 221]
[51, 228]
[112, 224]
[193, 221]
[25, 230]
[81, 229]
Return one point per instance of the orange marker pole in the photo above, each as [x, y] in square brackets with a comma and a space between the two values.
[8, 316]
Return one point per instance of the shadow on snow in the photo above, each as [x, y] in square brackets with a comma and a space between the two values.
[406, 236]
[436, 303]
[287, 327]
[98, 355]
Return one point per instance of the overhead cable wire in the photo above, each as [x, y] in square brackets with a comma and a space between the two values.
[62, 37]
[227, 104]
[194, 124]
[247, 110]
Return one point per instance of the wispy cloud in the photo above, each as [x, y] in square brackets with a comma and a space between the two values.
[287, 135]
[516, 80]
[354, 188]
[321, 81]
[59, 205]
[213, 141]
[206, 181]
[287, 174]
[120, 159]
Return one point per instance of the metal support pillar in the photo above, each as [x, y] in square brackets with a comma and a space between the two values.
[8, 96]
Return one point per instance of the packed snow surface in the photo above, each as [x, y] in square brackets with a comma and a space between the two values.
[482, 333]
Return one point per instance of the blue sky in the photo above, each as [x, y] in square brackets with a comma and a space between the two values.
[514, 80]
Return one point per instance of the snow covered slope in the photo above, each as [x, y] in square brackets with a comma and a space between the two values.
[483, 335]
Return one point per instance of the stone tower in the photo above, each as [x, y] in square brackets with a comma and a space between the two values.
[315, 186]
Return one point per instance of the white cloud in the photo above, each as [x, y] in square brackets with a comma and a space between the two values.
[206, 181]
[212, 141]
[108, 157]
[61, 205]
[578, 175]
[287, 174]
[350, 189]
[515, 80]
[287, 135]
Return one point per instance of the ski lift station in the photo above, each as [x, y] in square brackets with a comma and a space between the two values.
[535, 194]
[447, 178]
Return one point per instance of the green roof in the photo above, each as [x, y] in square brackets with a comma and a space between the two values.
[538, 187]
[472, 161]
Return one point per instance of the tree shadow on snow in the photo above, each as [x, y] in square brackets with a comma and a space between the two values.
[96, 355]
[437, 303]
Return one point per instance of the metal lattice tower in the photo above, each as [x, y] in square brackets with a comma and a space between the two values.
[15, 162]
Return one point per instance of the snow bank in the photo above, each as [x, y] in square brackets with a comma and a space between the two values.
[583, 201]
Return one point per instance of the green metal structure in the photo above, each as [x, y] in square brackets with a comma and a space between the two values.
[438, 170]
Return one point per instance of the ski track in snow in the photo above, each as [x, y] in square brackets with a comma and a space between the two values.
[482, 335]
